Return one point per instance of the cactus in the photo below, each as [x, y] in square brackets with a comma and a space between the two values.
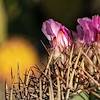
[72, 71]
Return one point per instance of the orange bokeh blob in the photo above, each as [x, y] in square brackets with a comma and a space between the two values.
[13, 53]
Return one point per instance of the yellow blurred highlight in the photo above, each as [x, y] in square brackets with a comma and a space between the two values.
[16, 52]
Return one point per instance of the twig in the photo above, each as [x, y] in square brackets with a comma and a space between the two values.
[51, 87]
[91, 78]
[97, 95]
[88, 59]
[40, 89]
[11, 94]
[47, 67]
[58, 84]
[45, 47]
[70, 64]
[72, 75]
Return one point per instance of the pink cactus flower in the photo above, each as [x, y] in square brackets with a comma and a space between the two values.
[96, 25]
[88, 30]
[57, 34]
[85, 30]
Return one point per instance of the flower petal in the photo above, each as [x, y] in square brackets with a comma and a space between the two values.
[86, 30]
[96, 22]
